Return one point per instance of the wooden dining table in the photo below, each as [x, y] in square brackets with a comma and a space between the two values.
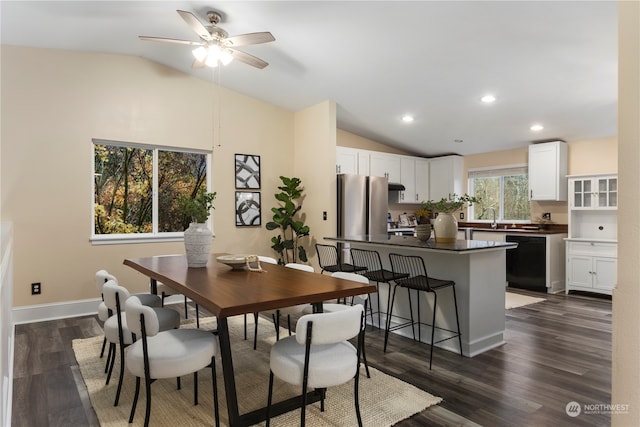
[229, 292]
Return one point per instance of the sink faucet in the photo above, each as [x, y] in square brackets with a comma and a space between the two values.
[494, 224]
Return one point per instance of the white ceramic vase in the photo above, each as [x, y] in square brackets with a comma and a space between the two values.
[423, 232]
[197, 244]
[445, 228]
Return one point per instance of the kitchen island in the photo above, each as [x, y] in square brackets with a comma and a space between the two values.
[477, 267]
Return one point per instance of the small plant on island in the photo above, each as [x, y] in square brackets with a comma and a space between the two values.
[450, 205]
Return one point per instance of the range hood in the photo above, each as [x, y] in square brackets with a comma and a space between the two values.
[396, 186]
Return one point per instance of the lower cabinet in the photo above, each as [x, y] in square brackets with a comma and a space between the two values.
[591, 266]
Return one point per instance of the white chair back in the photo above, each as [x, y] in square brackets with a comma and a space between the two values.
[331, 328]
[102, 276]
[302, 267]
[267, 259]
[355, 277]
[109, 292]
[133, 310]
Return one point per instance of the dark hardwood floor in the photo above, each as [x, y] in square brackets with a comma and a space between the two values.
[557, 351]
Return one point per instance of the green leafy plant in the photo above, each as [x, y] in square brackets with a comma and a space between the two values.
[197, 208]
[286, 217]
[450, 205]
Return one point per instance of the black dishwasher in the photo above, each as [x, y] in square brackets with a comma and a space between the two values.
[526, 264]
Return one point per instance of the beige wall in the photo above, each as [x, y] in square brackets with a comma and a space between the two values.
[315, 160]
[626, 295]
[348, 139]
[55, 102]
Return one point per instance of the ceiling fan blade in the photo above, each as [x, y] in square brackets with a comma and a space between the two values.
[195, 24]
[248, 59]
[166, 40]
[197, 64]
[249, 38]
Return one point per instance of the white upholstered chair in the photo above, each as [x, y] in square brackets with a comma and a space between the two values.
[117, 331]
[169, 354]
[319, 355]
[285, 311]
[165, 292]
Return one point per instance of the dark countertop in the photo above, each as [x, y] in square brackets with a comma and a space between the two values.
[520, 228]
[459, 246]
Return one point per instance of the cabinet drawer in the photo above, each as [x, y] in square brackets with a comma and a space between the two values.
[592, 248]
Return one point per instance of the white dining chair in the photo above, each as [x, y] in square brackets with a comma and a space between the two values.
[165, 292]
[167, 354]
[284, 311]
[359, 299]
[319, 355]
[117, 331]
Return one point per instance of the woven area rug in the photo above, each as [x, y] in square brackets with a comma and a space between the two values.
[384, 400]
[513, 300]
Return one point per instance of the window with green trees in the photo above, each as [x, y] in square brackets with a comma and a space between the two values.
[504, 190]
[137, 187]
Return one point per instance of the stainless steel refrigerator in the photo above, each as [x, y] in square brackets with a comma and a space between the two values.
[363, 203]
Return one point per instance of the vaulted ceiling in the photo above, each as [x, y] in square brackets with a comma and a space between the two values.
[549, 63]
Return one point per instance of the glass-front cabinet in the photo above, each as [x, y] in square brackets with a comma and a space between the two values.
[599, 192]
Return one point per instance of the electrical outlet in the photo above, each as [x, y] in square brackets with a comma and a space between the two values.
[546, 215]
[461, 215]
[36, 288]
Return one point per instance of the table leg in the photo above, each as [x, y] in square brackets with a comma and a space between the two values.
[227, 372]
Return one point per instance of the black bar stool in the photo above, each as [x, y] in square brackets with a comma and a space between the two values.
[418, 280]
[330, 261]
[372, 263]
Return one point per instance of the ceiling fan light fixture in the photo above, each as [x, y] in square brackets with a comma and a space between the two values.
[200, 53]
[226, 57]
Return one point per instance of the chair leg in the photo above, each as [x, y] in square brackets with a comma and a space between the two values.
[135, 400]
[455, 304]
[289, 323]
[413, 328]
[121, 377]
[104, 344]
[195, 389]
[216, 409]
[364, 355]
[378, 301]
[186, 309]
[269, 399]
[356, 398]
[197, 316]
[147, 414]
[112, 362]
[389, 313]
[245, 326]
[109, 356]
[433, 327]
[255, 330]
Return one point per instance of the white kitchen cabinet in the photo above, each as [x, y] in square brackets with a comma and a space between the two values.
[489, 236]
[547, 171]
[446, 177]
[422, 180]
[408, 179]
[594, 192]
[384, 164]
[591, 266]
[346, 160]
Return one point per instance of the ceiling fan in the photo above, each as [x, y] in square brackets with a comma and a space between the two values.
[215, 46]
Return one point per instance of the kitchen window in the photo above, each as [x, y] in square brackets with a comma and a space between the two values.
[502, 191]
[136, 188]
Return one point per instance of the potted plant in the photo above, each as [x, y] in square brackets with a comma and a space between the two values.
[445, 225]
[286, 218]
[423, 227]
[198, 237]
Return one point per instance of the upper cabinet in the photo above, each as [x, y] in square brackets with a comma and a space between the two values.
[446, 177]
[346, 160]
[594, 192]
[414, 175]
[384, 164]
[547, 171]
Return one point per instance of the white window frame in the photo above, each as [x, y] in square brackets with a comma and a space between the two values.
[154, 236]
[496, 171]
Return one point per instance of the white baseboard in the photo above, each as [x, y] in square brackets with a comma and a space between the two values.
[43, 312]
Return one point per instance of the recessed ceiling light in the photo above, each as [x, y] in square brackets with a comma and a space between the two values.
[407, 118]
[488, 99]
[536, 128]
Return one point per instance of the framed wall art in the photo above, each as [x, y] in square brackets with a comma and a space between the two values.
[248, 212]
[247, 171]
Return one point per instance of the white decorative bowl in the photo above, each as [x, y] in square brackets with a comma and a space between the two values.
[237, 262]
